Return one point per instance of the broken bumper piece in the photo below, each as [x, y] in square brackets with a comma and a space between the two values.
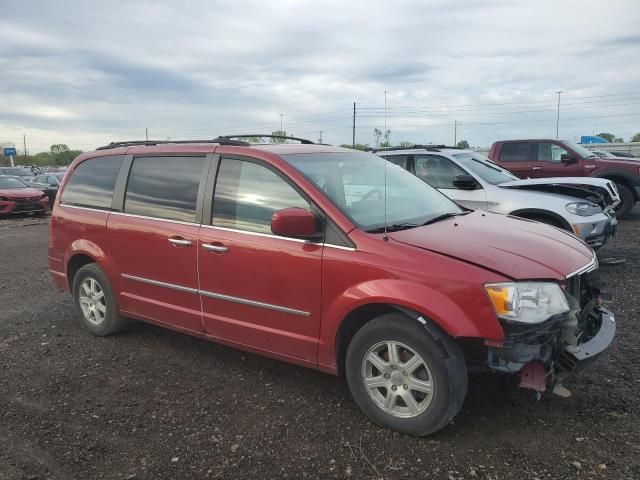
[541, 354]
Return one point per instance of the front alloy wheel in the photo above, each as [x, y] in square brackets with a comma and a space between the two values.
[406, 375]
[397, 379]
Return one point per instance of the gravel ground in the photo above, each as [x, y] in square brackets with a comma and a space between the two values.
[154, 404]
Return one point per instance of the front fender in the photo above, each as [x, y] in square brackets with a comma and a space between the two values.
[477, 319]
[459, 310]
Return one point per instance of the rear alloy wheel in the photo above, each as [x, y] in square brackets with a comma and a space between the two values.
[92, 302]
[96, 302]
[406, 376]
[627, 201]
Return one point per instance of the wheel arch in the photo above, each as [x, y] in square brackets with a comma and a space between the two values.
[75, 263]
[428, 307]
[539, 212]
[621, 177]
[80, 253]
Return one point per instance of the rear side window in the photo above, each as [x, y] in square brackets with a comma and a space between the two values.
[437, 171]
[91, 183]
[515, 152]
[164, 187]
[248, 194]
[400, 160]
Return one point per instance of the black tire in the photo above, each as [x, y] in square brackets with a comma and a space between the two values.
[442, 356]
[112, 322]
[627, 201]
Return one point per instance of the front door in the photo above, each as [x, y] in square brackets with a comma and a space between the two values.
[258, 290]
[549, 162]
[154, 242]
[440, 172]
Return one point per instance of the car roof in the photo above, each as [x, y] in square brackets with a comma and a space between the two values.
[533, 140]
[425, 149]
[209, 147]
[288, 148]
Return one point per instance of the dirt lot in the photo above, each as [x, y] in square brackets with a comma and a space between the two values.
[153, 404]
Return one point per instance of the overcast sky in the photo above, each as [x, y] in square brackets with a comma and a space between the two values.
[85, 73]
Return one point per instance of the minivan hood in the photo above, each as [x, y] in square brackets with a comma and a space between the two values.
[515, 247]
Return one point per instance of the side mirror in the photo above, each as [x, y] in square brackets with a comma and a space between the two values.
[568, 158]
[296, 223]
[465, 182]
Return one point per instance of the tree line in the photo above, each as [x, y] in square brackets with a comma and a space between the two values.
[58, 154]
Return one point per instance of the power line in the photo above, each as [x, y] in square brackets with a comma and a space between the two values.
[520, 102]
[558, 117]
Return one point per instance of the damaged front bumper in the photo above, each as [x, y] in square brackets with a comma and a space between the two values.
[597, 233]
[545, 354]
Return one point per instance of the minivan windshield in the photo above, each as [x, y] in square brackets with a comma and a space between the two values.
[484, 168]
[357, 183]
[11, 183]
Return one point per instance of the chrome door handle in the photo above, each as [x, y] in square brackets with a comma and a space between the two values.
[180, 242]
[536, 168]
[215, 248]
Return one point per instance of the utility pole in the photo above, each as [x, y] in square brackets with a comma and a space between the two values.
[455, 133]
[353, 137]
[320, 140]
[281, 116]
[385, 112]
[24, 141]
[558, 116]
[146, 133]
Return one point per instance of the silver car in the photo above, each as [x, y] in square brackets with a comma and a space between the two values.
[583, 206]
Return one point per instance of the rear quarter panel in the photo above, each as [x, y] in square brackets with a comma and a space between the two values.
[76, 230]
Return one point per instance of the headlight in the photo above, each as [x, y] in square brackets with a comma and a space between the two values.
[584, 209]
[527, 302]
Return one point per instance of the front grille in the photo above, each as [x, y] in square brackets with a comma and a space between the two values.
[27, 204]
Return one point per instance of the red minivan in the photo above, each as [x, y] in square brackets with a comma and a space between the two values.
[329, 258]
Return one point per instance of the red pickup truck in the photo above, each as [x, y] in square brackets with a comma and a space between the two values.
[542, 158]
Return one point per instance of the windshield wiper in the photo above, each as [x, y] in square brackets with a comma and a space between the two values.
[393, 228]
[444, 216]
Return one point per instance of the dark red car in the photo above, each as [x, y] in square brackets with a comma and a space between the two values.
[328, 258]
[541, 158]
[17, 197]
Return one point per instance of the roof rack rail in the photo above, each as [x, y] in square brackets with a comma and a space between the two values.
[432, 148]
[133, 143]
[258, 135]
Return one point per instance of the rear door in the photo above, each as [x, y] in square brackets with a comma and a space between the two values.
[548, 162]
[439, 172]
[258, 290]
[153, 238]
[517, 157]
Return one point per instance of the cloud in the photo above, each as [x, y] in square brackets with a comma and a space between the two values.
[202, 68]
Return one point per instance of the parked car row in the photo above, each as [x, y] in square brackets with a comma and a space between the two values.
[340, 261]
[17, 197]
[542, 158]
[582, 206]
[46, 182]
